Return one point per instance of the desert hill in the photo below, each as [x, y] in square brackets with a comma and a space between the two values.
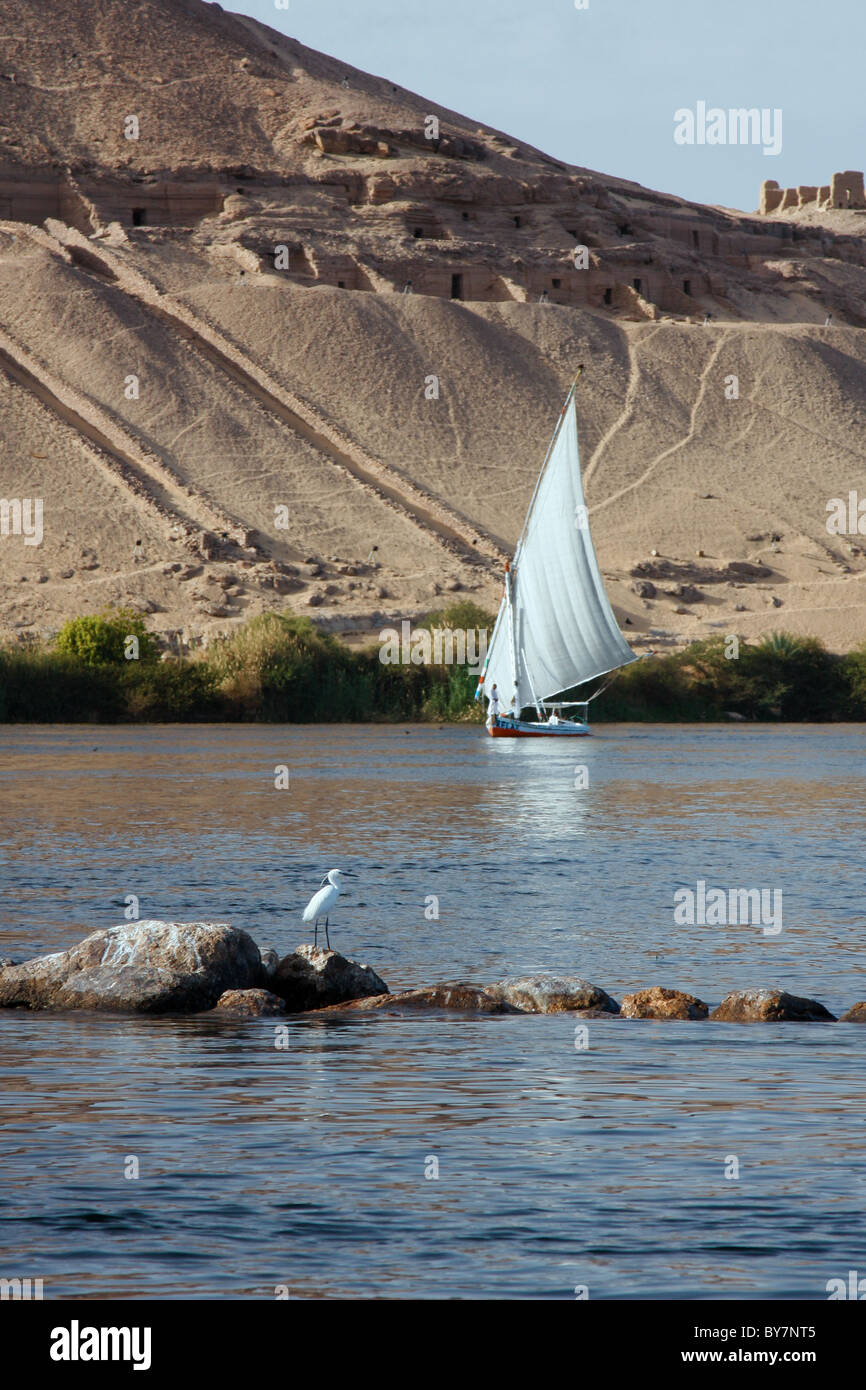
[281, 326]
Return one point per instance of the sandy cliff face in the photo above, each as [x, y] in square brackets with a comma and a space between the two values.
[282, 326]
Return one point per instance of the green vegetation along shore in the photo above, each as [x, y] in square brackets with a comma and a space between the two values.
[108, 668]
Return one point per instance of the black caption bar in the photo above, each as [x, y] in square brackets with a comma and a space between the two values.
[60, 1339]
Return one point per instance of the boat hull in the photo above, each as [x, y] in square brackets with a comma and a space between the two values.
[521, 728]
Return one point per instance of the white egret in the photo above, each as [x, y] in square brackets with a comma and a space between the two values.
[322, 903]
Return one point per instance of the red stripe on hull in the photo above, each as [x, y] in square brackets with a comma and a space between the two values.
[539, 731]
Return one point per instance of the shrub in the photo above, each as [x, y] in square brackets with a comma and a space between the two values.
[655, 689]
[791, 678]
[100, 639]
[852, 680]
[172, 691]
[451, 692]
[283, 668]
[464, 614]
[46, 687]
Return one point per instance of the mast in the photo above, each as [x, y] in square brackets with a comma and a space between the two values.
[511, 637]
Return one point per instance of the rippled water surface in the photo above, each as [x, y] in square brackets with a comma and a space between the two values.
[558, 1167]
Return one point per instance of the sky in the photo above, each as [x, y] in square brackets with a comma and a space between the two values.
[600, 86]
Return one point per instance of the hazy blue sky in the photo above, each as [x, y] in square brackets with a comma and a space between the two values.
[599, 87]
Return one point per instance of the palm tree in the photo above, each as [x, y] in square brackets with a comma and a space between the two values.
[785, 644]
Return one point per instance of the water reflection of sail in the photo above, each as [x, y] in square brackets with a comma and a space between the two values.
[539, 808]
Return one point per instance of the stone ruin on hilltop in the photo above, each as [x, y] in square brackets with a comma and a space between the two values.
[843, 191]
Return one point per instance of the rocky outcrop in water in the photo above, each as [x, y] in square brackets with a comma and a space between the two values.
[249, 1003]
[658, 1002]
[456, 996]
[193, 967]
[138, 967]
[770, 1006]
[312, 978]
[553, 994]
[531, 994]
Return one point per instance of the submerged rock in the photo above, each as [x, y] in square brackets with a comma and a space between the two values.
[553, 994]
[658, 1002]
[856, 1013]
[250, 1003]
[312, 978]
[138, 967]
[770, 1006]
[457, 996]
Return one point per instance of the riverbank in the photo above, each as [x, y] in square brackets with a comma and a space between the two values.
[278, 669]
[108, 669]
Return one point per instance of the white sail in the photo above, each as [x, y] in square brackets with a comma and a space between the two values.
[558, 629]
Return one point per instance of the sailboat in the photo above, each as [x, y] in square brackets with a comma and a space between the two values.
[555, 629]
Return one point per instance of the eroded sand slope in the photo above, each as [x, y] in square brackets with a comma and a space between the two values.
[261, 424]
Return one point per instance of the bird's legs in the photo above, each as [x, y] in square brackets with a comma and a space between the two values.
[316, 933]
[327, 938]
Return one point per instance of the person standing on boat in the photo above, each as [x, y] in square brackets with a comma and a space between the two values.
[513, 710]
[493, 704]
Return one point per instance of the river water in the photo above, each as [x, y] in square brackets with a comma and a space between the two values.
[666, 1160]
